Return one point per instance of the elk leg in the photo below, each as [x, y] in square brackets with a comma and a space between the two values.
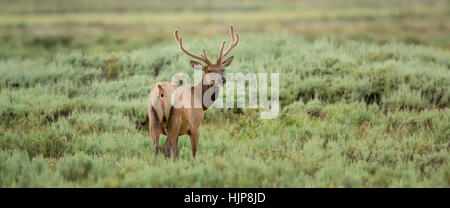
[167, 149]
[172, 136]
[154, 134]
[194, 143]
[173, 139]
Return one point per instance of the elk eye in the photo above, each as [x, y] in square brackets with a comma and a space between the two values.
[162, 95]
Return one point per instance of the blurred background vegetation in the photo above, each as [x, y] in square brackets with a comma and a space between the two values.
[41, 28]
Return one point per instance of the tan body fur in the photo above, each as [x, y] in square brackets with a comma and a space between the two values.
[173, 122]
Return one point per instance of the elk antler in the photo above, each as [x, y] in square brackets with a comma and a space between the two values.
[234, 42]
[201, 58]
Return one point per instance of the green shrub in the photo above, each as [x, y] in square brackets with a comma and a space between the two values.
[352, 115]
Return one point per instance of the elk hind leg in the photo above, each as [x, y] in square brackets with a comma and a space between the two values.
[194, 143]
[173, 133]
[154, 127]
[154, 134]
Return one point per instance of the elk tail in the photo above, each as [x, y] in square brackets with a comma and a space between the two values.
[161, 90]
[162, 99]
[161, 96]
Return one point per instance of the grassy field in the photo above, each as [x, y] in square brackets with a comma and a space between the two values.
[365, 104]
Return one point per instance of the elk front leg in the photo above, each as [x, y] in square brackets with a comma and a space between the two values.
[194, 142]
[173, 142]
[154, 134]
[167, 149]
[172, 136]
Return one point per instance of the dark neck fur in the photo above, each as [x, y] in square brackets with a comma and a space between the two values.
[204, 89]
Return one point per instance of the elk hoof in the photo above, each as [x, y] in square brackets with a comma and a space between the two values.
[166, 153]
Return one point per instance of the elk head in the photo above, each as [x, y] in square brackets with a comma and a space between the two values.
[210, 68]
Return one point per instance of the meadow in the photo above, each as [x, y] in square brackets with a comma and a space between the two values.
[359, 108]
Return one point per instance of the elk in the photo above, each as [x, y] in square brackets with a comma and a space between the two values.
[174, 121]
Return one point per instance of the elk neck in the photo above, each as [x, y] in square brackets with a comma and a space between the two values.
[204, 88]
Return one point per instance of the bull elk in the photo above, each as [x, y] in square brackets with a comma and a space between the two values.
[176, 121]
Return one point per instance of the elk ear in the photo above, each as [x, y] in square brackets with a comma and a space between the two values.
[228, 61]
[196, 65]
